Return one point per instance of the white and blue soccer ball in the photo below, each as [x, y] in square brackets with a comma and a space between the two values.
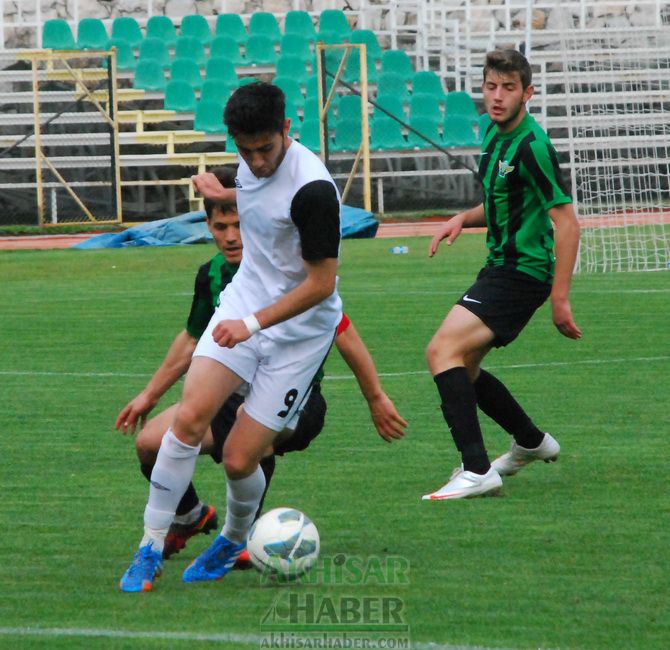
[283, 544]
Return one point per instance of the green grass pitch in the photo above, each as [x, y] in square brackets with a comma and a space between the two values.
[573, 555]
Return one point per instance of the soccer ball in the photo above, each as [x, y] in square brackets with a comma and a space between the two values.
[283, 544]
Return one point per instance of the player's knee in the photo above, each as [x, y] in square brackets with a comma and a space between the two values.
[238, 465]
[190, 424]
[146, 451]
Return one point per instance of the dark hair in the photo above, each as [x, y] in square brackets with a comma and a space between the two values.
[226, 176]
[506, 61]
[255, 108]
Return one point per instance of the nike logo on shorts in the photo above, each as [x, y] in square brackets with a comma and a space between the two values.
[466, 298]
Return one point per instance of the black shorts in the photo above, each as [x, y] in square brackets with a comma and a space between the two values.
[310, 424]
[505, 300]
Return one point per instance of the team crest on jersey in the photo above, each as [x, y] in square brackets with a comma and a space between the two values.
[504, 168]
[237, 183]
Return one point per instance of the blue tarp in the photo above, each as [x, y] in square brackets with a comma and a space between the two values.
[190, 228]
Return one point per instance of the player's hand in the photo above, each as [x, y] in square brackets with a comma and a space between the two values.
[228, 333]
[561, 313]
[135, 411]
[209, 186]
[389, 423]
[450, 230]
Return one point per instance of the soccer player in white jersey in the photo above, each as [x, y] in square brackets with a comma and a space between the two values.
[273, 328]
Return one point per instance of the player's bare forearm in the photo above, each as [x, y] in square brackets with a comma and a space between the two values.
[452, 229]
[210, 187]
[566, 238]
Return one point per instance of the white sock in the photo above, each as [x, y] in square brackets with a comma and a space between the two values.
[170, 477]
[243, 496]
[190, 517]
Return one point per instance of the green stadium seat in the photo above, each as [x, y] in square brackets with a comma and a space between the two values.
[427, 82]
[221, 70]
[390, 83]
[57, 35]
[457, 131]
[188, 47]
[196, 26]
[216, 90]
[347, 135]
[291, 113]
[244, 81]
[460, 103]
[180, 97]
[186, 70]
[291, 89]
[292, 66]
[386, 133]
[483, 124]
[155, 49]
[369, 38]
[398, 62]
[163, 28]
[300, 23]
[231, 25]
[265, 24]
[427, 128]
[352, 69]
[227, 47]
[125, 57]
[333, 21]
[425, 106]
[91, 34]
[393, 104]
[149, 75]
[349, 108]
[231, 147]
[209, 117]
[128, 29]
[297, 46]
[260, 50]
[309, 134]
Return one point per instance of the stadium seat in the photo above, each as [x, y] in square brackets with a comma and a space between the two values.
[57, 35]
[386, 133]
[260, 50]
[352, 69]
[221, 70]
[311, 110]
[333, 21]
[460, 103]
[349, 108]
[427, 128]
[292, 90]
[390, 83]
[209, 117]
[291, 113]
[128, 29]
[398, 62]
[369, 38]
[91, 34]
[457, 131]
[347, 135]
[265, 24]
[196, 26]
[231, 25]
[483, 124]
[297, 46]
[231, 147]
[163, 28]
[125, 57]
[149, 75]
[427, 82]
[310, 134]
[392, 104]
[427, 106]
[292, 66]
[216, 90]
[300, 23]
[247, 80]
[186, 70]
[155, 49]
[188, 47]
[180, 97]
[227, 47]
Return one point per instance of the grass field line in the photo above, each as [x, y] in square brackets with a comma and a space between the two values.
[405, 373]
[244, 639]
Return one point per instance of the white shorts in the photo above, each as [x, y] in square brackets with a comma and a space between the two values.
[279, 374]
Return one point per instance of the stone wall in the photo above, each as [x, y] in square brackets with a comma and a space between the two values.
[601, 14]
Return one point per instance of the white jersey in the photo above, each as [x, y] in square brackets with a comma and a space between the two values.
[272, 264]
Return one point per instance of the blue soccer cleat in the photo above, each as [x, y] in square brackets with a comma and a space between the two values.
[146, 567]
[215, 562]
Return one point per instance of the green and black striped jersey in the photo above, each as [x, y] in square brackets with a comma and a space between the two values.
[211, 280]
[522, 181]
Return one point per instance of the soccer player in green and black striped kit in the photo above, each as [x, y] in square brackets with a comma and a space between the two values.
[532, 240]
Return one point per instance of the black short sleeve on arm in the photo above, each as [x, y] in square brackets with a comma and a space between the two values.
[201, 307]
[315, 210]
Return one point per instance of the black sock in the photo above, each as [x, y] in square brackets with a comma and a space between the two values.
[190, 499]
[498, 403]
[268, 466]
[459, 407]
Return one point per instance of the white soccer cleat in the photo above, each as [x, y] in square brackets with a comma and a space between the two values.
[518, 457]
[463, 485]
